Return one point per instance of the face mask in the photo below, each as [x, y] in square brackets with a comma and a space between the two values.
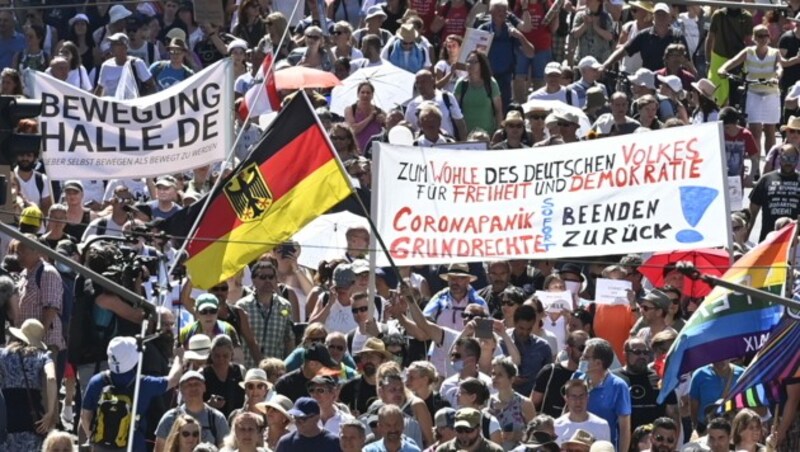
[458, 365]
[573, 286]
[583, 366]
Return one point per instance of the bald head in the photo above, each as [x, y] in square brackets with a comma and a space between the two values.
[425, 83]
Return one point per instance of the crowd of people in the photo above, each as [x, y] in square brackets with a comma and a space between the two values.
[441, 358]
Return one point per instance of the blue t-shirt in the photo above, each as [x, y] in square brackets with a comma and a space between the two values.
[150, 388]
[166, 76]
[8, 47]
[406, 445]
[324, 442]
[707, 387]
[502, 53]
[609, 400]
[158, 213]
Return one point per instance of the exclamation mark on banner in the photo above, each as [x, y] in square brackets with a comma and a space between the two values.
[694, 202]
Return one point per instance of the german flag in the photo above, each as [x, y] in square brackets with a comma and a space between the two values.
[291, 177]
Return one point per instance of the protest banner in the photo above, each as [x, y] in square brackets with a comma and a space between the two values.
[87, 137]
[658, 191]
[475, 40]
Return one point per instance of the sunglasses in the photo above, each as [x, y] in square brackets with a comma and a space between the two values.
[509, 303]
[792, 131]
[207, 311]
[193, 433]
[662, 438]
[264, 276]
[467, 316]
[361, 309]
[336, 347]
[464, 430]
[638, 351]
[759, 36]
[514, 126]
[251, 386]
[537, 117]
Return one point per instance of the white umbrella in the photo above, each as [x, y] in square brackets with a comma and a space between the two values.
[393, 87]
[556, 106]
[323, 239]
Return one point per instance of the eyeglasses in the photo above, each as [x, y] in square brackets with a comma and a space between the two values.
[207, 311]
[361, 309]
[564, 124]
[336, 347]
[665, 439]
[251, 386]
[464, 430]
[638, 351]
[193, 433]
[646, 308]
[408, 44]
[176, 52]
[264, 276]
[737, 228]
[468, 316]
[537, 117]
[762, 35]
[219, 289]
[339, 32]
[455, 356]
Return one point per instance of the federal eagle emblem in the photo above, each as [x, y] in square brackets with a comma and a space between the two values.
[248, 193]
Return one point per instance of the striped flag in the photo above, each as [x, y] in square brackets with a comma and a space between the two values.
[291, 177]
[777, 361]
[262, 97]
[731, 325]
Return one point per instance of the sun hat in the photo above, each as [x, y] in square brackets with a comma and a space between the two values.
[30, 332]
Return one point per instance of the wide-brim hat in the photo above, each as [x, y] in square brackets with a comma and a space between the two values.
[567, 116]
[374, 345]
[458, 270]
[674, 83]
[117, 13]
[178, 43]
[643, 77]
[793, 123]
[644, 5]
[199, 347]
[407, 32]
[254, 375]
[580, 438]
[513, 116]
[280, 403]
[705, 88]
[375, 11]
[410, 13]
[30, 332]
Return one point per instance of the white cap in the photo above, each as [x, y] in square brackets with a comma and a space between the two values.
[552, 68]
[117, 13]
[360, 266]
[237, 44]
[663, 7]
[643, 77]
[375, 11]
[589, 62]
[122, 354]
[674, 83]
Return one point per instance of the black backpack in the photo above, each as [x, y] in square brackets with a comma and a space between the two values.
[87, 341]
[114, 414]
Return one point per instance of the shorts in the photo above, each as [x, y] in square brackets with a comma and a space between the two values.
[536, 64]
[763, 108]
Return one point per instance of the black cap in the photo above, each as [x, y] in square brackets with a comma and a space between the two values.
[323, 380]
[572, 268]
[319, 353]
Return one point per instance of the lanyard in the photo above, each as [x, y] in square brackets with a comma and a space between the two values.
[265, 317]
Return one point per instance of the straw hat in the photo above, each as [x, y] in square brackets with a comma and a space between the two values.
[31, 332]
[793, 123]
[458, 270]
[280, 403]
[407, 32]
[580, 438]
[513, 116]
[178, 43]
[706, 88]
[647, 6]
[374, 345]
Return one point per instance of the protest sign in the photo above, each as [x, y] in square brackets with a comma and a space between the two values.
[612, 291]
[475, 40]
[86, 137]
[658, 191]
[555, 301]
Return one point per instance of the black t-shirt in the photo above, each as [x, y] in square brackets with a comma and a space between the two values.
[293, 385]
[651, 47]
[229, 389]
[358, 395]
[779, 196]
[644, 393]
[529, 281]
[791, 43]
[550, 381]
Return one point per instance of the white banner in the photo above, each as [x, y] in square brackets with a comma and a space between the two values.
[86, 137]
[657, 191]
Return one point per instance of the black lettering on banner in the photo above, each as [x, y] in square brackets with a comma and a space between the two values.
[185, 127]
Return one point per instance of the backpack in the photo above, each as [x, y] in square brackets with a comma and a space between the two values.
[449, 104]
[462, 91]
[114, 414]
[67, 297]
[102, 226]
[141, 86]
[87, 341]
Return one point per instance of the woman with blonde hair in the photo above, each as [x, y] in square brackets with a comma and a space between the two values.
[747, 431]
[276, 27]
[423, 381]
[58, 441]
[392, 391]
[247, 434]
[184, 435]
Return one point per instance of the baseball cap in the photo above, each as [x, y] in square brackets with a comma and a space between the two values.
[360, 266]
[467, 417]
[344, 276]
[31, 216]
[167, 181]
[122, 354]
[589, 62]
[659, 299]
[661, 7]
[73, 185]
[119, 38]
[552, 68]
[305, 407]
[192, 375]
[445, 417]
[320, 354]
[207, 300]
[322, 380]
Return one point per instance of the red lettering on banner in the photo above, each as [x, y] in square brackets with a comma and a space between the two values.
[407, 247]
[672, 152]
[448, 174]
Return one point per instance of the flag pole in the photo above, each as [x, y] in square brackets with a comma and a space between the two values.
[228, 160]
[689, 270]
[355, 194]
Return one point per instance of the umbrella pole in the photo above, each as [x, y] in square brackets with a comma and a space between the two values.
[688, 269]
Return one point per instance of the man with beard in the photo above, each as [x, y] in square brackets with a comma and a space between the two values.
[547, 395]
[359, 393]
[665, 435]
[499, 277]
[446, 307]
[391, 425]
[309, 434]
[644, 387]
[33, 185]
[468, 434]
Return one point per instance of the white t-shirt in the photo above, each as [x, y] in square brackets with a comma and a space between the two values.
[93, 190]
[445, 67]
[29, 189]
[136, 187]
[113, 229]
[453, 112]
[354, 53]
[558, 329]
[143, 53]
[595, 425]
[110, 74]
[332, 424]
[449, 389]
[363, 62]
[560, 95]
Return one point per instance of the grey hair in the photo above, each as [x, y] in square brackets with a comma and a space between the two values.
[602, 350]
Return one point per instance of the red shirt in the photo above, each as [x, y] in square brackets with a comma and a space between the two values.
[426, 10]
[455, 20]
[540, 36]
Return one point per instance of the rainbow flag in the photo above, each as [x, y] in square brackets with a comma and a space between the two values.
[731, 325]
[777, 361]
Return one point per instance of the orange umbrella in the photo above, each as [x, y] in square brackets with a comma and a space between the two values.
[298, 77]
